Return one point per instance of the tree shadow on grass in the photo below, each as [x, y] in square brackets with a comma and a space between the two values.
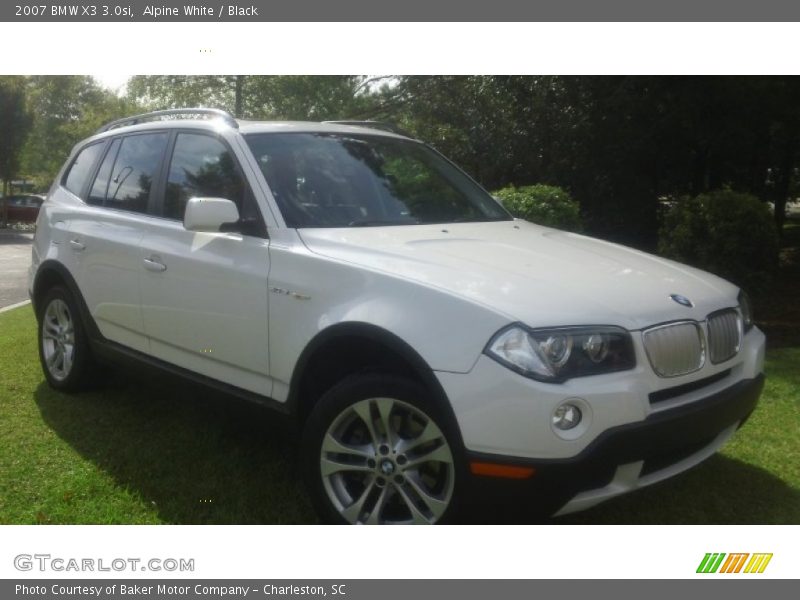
[195, 455]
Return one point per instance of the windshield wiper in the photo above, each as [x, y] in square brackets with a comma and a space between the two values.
[378, 222]
[479, 219]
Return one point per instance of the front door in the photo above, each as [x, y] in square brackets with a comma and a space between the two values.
[204, 295]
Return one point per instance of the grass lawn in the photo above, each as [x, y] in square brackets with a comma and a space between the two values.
[158, 452]
[135, 451]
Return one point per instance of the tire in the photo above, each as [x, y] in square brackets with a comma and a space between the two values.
[63, 344]
[356, 473]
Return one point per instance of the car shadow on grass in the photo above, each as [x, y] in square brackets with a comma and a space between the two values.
[198, 457]
[720, 491]
[191, 454]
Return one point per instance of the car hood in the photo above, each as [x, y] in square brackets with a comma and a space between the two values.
[533, 274]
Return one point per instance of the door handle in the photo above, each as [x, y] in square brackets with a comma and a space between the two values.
[77, 245]
[152, 263]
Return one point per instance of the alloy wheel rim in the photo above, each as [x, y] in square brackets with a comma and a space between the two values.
[58, 339]
[384, 461]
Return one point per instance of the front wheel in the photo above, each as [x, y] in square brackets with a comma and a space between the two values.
[377, 451]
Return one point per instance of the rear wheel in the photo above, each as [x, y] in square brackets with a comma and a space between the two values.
[377, 451]
[63, 346]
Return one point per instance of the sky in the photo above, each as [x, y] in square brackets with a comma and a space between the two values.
[113, 81]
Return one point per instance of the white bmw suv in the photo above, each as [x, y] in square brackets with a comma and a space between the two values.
[433, 349]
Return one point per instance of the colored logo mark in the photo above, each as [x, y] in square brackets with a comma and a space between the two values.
[734, 563]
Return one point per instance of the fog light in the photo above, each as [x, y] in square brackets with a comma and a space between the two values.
[567, 416]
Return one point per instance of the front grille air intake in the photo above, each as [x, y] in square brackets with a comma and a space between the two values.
[724, 335]
[679, 390]
[675, 349]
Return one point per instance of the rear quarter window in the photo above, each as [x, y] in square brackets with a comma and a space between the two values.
[81, 168]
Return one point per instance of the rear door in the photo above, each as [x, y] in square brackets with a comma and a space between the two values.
[204, 295]
[105, 233]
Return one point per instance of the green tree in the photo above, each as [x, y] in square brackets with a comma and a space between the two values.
[15, 123]
[728, 233]
[542, 204]
[66, 110]
[158, 92]
[293, 97]
[621, 145]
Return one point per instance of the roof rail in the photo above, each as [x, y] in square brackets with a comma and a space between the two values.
[158, 114]
[371, 124]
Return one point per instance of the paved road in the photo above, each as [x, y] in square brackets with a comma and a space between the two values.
[15, 258]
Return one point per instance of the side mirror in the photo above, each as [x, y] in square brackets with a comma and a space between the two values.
[209, 214]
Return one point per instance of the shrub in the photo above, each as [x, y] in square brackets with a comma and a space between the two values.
[728, 233]
[542, 204]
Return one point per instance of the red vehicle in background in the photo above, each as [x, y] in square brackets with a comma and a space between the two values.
[23, 208]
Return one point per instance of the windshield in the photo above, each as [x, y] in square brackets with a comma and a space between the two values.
[327, 180]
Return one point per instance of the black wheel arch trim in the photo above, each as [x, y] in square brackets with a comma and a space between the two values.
[374, 333]
[53, 266]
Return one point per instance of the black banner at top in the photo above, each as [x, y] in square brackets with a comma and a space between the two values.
[398, 10]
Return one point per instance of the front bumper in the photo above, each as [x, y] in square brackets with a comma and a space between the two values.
[630, 456]
[637, 428]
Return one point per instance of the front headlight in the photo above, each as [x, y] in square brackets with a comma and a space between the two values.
[558, 354]
[747, 311]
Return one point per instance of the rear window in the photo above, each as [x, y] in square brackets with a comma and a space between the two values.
[136, 165]
[125, 177]
[82, 167]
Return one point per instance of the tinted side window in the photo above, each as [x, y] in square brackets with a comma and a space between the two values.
[201, 166]
[136, 166]
[97, 195]
[81, 168]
